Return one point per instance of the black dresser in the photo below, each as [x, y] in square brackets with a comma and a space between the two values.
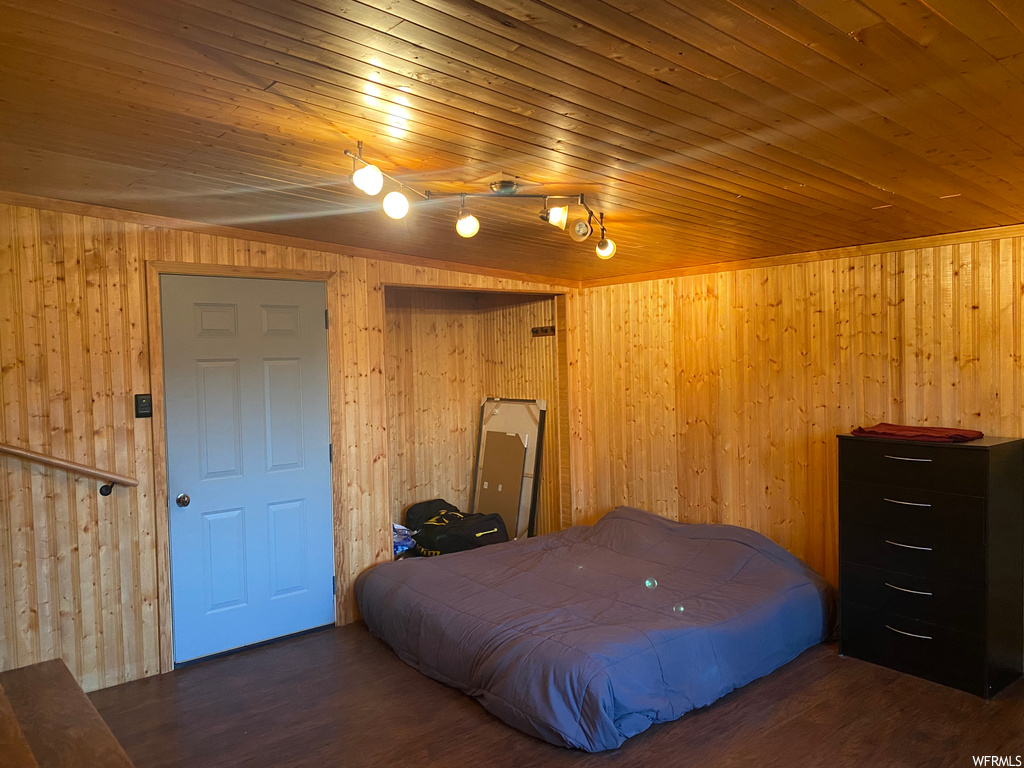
[931, 558]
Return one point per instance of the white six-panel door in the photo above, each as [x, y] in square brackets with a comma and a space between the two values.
[246, 397]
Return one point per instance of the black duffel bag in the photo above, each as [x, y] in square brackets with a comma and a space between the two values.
[417, 514]
[456, 532]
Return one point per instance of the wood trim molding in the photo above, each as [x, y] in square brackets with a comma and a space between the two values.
[930, 241]
[232, 270]
[154, 269]
[503, 289]
[336, 397]
[152, 220]
[163, 550]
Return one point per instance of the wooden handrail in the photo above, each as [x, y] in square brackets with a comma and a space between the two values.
[111, 478]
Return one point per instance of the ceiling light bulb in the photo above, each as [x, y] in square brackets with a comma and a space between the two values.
[369, 179]
[467, 224]
[559, 216]
[396, 205]
[606, 248]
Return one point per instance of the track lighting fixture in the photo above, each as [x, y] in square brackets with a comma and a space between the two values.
[367, 177]
[605, 246]
[370, 179]
[557, 216]
[581, 229]
[396, 205]
[466, 224]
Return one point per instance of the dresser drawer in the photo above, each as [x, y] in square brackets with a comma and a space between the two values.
[916, 647]
[942, 468]
[936, 602]
[921, 553]
[904, 511]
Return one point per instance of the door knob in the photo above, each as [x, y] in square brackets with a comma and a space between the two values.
[182, 500]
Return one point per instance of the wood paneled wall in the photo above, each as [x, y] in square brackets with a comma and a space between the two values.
[83, 577]
[963, 335]
[445, 351]
[717, 398]
[77, 570]
[434, 390]
[710, 397]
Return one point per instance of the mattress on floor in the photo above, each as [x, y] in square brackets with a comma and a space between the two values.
[588, 636]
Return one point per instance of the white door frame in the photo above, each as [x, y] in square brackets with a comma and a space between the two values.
[154, 269]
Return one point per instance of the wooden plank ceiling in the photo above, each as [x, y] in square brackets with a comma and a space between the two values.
[705, 130]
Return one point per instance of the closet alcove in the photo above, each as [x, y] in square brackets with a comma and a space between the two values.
[445, 351]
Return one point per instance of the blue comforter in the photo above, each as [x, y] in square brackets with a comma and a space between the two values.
[588, 636]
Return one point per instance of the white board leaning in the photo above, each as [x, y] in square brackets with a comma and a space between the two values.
[506, 476]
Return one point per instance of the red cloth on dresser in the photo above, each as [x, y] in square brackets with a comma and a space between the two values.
[925, 434]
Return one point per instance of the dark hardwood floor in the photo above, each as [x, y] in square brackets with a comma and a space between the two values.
[341, 698]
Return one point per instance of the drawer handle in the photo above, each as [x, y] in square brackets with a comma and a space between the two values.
[907, 546]
[905, 458]
[909, 634]
[907, 503]
[911, 591]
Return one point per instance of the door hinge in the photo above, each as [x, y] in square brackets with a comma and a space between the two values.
[334, 585]
[325, 318]
[330, 453]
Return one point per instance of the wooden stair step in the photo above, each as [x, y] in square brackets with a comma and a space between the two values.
[13, 746]
[49, 722]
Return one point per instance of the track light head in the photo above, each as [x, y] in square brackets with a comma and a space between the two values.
[396, 205]
[467, 224]
[369, 179]
[557, 216]
[605, 248]
[580, 230]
